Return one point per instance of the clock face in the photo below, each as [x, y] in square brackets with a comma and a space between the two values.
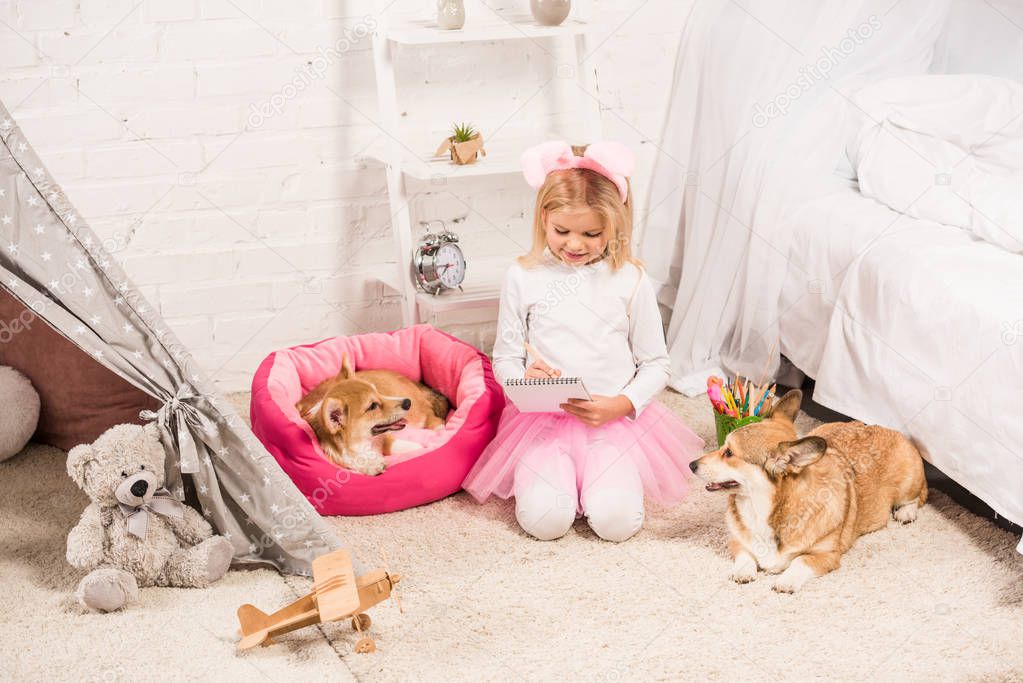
[450, 265]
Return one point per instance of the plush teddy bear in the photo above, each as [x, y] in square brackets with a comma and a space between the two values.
[134, 533]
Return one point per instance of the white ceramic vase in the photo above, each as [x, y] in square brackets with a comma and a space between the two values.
[450, 14]
[550, 12]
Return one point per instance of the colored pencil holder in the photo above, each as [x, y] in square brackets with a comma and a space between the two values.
[726, 424]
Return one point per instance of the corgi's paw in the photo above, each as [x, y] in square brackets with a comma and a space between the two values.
[743, 576]
[906, 513]
[793, 578]
[744, 570]
[370, 464]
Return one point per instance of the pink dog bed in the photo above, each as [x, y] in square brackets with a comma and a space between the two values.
[421, 353]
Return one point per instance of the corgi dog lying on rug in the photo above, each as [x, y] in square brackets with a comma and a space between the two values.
[354, 413]
[796, 505]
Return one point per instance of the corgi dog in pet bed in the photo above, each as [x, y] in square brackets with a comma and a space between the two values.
[354, 414]
[796, 505]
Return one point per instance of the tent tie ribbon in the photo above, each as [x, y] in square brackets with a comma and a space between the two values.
[178, 415]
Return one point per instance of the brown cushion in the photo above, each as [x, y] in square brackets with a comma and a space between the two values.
[80, 398]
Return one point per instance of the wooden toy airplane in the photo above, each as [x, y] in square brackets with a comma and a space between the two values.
[337, 594]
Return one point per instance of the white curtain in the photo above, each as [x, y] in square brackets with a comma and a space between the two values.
[756, 124]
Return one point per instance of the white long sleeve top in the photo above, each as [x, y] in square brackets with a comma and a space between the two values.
[588, 321]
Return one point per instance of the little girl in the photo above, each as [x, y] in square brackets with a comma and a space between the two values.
[587, 309]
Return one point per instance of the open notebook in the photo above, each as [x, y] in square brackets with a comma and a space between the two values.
[544, 395]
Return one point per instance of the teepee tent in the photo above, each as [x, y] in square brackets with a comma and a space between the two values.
[55, 266]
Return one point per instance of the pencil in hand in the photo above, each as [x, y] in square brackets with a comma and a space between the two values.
[539, 363]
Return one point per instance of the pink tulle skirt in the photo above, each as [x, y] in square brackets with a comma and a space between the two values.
[658, 443]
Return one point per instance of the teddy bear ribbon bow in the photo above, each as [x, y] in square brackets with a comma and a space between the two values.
[137, 516]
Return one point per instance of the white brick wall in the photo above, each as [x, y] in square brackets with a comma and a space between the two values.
[250, 233]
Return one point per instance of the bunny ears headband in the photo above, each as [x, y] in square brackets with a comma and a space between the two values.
[613, 160]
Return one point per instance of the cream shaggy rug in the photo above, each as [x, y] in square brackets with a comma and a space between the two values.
[168, 635]
[940, 599]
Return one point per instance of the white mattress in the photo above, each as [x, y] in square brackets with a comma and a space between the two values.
[916, 326]
[829, 234]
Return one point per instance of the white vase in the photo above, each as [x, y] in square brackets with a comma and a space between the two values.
[550, 12]
[450, 14]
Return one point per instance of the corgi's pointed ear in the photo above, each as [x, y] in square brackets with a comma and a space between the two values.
[334, 416]
[787, 407]
[346, 368]
[792, 456]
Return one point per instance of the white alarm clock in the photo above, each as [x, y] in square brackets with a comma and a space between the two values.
[438, 262]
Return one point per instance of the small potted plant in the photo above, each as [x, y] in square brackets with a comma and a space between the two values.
[465, 144]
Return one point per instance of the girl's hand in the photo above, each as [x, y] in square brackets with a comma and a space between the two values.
[600, 410]
[540, 370]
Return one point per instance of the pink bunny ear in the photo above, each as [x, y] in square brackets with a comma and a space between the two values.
[539, 160]
[614, 161]
[615, 157]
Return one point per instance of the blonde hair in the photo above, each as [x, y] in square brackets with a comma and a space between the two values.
[581, 187]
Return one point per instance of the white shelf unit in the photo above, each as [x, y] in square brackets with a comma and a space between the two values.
[402, 163]
[412, 31]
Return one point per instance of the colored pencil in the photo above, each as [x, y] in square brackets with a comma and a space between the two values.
[739, 397]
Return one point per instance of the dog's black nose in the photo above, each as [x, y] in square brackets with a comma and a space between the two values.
[139, 488]
[693, 465]
[406, 404]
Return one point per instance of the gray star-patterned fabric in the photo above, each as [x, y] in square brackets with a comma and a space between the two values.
[55, 265]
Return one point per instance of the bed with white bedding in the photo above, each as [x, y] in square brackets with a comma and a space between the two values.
[899, 288]
[914, 325]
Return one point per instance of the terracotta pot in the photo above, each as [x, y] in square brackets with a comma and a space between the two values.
[462, 152]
